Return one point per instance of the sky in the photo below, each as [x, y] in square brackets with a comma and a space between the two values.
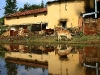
[20, 3]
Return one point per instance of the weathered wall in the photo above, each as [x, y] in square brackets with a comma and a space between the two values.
[65, 10]
[91, 26]
[41, 17]
[70, 10]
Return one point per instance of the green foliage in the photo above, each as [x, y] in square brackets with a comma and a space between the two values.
[42, 4]
[80, 33]
[20, 9]
[61, 0]
[2, 21]
[2, 52]
[33, 6]
[29, 7]
[26, 6]
[3, 29]
[11, 7]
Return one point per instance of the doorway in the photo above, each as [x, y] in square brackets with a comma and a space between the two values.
[63, 23]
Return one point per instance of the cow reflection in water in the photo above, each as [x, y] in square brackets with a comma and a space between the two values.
[64, 50]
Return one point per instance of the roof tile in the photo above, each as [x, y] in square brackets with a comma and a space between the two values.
[27, 12]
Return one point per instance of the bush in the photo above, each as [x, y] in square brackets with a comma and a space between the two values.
[2, 29]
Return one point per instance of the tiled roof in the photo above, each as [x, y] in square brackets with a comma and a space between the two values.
[27, 12]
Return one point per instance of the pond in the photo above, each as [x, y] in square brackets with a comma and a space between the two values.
[49, 60]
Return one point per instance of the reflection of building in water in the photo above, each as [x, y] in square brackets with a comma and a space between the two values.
[27, 62]
[90, 58]
[90, 54]
[16, 48]
[64, 67]
[47, 55]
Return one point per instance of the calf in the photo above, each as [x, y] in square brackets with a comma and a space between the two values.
[63, 33]
[48, 31]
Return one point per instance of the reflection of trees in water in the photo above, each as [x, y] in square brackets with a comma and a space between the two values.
[27, 67]
[34, 67]
[2, 55]
[2, 52]
[11, 68]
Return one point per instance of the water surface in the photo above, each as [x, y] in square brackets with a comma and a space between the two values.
[49, 60]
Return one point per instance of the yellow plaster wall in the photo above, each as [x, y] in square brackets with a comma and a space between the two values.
[25, 20]
[53, 15]
[71, 11]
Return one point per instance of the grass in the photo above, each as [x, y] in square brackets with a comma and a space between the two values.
[87, 39]
[53, 40]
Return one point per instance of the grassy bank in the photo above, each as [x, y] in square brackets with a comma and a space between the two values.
[51, 40]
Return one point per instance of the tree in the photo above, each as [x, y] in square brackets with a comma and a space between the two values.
[21, 9]
[34, 6]
[26, 6]
[60, 0]
[3, 29]
[42, 4]
[2, 21]
[29, 7]
[11, 7]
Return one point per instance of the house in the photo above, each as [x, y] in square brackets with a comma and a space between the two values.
[65, 14]
[21, 20]
[57, 13]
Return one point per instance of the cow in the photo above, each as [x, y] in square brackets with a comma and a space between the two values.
[64, 50]
[48, 31]
[65, 33]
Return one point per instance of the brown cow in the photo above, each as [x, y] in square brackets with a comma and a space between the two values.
[63, 33]
[48, 31]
